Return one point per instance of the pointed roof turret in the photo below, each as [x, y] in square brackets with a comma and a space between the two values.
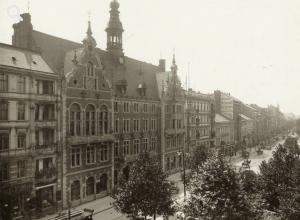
[114, 30]
[89, 42]
[174, 66]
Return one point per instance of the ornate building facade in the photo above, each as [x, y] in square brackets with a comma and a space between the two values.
[173, 129]
[73, 117]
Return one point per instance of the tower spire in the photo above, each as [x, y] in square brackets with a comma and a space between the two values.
[89, 42]
[174, 66]
[114, 30]
[89, 30]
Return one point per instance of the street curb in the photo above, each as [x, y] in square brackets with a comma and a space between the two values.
[95, 213]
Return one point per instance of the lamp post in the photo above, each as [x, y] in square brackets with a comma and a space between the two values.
[179, 153]
[69, 203]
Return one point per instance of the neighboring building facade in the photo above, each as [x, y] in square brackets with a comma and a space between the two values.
[247, 126]
[230, 107]
[199, 120]
[173, 130]
[30, 129]
[223, 131]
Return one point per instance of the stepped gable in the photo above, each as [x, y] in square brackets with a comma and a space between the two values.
[60, 52]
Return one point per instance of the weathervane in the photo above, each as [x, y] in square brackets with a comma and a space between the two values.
[89, 15]
[28, 6]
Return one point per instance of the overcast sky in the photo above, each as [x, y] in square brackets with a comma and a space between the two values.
[249, 48]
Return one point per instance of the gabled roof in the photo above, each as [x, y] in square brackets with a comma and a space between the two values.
[244, 117]
[221, 119]
[60, 52]
[54, 48]
[22, 58]
[164, 80]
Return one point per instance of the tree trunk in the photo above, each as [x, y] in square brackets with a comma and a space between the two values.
[154, 216]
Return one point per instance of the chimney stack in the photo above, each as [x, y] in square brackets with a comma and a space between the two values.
[162, 65]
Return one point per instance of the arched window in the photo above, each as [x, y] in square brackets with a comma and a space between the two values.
[90, 69]
[90, 120]
[75, 190]
[90, 184]
[75, 120]
[103, 120]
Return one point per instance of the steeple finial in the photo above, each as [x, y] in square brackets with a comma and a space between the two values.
[74, 60]
[28, 6]
[89, 30]
[89, 41]
[174, 66]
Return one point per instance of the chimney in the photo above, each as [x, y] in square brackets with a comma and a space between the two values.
[217, 96]
[23, 33]
[162, 65]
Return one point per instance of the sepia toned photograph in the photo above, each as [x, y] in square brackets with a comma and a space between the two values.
[149, 110]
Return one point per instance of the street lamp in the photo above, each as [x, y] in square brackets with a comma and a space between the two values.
[69, 203]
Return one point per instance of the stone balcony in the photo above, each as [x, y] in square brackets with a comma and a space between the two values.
[46, 149]
[17, 152]
[44, 176]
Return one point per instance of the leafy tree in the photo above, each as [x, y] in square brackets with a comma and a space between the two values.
[280, 182]
[249, 181]
[216, 193]
[147, 190]
[200, 155]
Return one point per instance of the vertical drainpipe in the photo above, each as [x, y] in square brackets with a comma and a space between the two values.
[112, 128]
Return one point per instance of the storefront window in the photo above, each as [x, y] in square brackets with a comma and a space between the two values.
[90, 186]
[75, 190]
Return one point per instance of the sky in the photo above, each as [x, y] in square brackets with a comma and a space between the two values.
[248, 48]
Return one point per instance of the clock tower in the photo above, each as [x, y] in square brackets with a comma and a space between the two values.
[114, 31]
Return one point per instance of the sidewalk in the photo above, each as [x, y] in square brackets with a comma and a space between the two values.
[99, 205]
[104, 204]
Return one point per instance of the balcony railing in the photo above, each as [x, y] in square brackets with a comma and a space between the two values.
[15, 152]
[46, 148]
[46, 175]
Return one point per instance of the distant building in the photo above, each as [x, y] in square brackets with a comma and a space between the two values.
[223, 130]
[247, 130]
[199, 120]
[230, 107]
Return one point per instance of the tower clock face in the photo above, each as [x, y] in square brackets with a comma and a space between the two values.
[121, 60]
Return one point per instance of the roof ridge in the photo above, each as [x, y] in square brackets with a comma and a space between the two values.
[20, 48]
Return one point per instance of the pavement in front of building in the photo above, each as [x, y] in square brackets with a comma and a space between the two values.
[103, 209]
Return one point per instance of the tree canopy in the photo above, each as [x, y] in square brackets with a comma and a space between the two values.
[215, 192]
[280, 183]
[147, 191]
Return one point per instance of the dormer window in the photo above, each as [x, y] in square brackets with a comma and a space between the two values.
[90, 69]
[14, 60]
[122, 86]
[142, 89]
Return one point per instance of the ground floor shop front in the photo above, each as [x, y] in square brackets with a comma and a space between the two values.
[87, 186]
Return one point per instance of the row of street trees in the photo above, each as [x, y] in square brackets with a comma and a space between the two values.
[219, 191]
[216, 189]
